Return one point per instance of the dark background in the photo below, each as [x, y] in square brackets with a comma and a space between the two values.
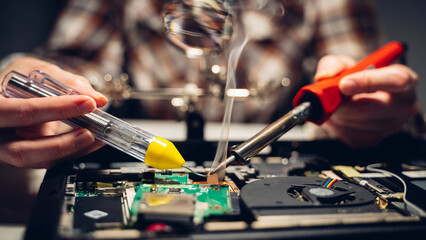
[406, 21]
[24, 24]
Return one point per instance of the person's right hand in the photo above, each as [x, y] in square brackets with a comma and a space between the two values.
[29, 127]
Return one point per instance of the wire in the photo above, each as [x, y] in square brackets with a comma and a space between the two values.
[331, 183]
[374, 168]
[327, 182]
[194, 172]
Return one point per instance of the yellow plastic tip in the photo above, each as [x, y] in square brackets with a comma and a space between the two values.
[162, 154]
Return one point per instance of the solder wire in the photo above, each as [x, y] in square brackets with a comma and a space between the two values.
[92, 121]
[374, 168]
[194, 172]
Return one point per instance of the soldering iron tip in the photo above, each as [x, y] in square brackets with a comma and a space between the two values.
[223, 164]
[215, 170]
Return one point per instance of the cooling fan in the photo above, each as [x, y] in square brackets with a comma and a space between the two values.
[298, 195]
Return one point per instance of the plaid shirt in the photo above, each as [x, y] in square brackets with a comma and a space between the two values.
[94, 38]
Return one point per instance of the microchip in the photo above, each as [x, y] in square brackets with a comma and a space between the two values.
[148, 176]
[175, 190]
[91, 212]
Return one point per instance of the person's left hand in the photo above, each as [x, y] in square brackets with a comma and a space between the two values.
[378, 101]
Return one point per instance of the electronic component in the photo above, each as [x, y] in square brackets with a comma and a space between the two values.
[305, 201]
[167, 208]
[97, 212]
[174, 191]
[159, 197]
[303, 195]
[178, 203]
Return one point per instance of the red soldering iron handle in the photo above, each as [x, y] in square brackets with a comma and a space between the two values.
[325, 95]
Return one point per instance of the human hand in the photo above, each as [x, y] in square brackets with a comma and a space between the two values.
[378, 101]
[29, 128]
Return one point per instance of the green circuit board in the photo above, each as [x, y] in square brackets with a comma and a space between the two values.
[209, 199]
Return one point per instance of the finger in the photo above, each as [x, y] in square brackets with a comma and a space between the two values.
[380, 124]
[93, 147]
[78, 83]
[354, 137]
[393, 79]
[375, 106]
[49, 164]
[82, 86]
[31, 112]
[331, 65]
[42, 130]
[23, 153]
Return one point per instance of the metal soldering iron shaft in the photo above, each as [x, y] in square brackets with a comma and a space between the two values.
[268, 135]
[224, 164]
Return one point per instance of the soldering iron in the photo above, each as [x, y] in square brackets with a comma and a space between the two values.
[315, 103]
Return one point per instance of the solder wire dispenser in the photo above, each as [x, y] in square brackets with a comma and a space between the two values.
[155, 151]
